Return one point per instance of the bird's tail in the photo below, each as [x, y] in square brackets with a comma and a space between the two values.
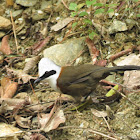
[123, 68]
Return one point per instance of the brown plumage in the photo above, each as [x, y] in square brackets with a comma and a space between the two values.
[77, 81]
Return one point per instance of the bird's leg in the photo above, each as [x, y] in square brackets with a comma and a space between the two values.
[87, 95]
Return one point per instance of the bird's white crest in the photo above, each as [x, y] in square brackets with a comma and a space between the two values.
[46, 64]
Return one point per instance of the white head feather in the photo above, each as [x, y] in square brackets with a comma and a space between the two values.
[46, 64]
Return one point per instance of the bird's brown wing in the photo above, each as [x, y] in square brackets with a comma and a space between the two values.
[77, 90]
[77, 81]
[78, 74]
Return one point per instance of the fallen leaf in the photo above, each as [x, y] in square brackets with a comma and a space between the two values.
[23, 122]
[61, 24]
[20, 74]
[40, 108]
[9, 2]
[51, 121]
[35, 136]
[31, 63]
[8, 131]
[98, 113]
[8, 104]
[8, 88]
[5, 48]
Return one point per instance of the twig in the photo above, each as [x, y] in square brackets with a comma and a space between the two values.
[66, 35]
[34, 91]
[120, 6]
[113, 57]
[88, 129]
[106, 123]
[127, 98]
[65, 4]
[75, 33]
[14, 31]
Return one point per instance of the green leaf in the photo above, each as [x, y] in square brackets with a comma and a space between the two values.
[98, 11]
[79, 6]
[73, 6]
[83, 14]
[73, 14]
[87, 21]
[135, 0]
[138, 15]
[89, 3]
[127, 9]
[106, 5]
[112, 91]
[91, 35]
[112, 5]
[110, 11]
[98, 4]
[74, 24]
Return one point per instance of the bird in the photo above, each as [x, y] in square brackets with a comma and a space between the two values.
[78, 81]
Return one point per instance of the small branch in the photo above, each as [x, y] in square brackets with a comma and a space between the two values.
[113, 57]
[14, 31]
[65, 36]
[127, 98]
[107, 123]
[64, 4]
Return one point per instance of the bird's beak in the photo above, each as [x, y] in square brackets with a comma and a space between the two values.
[37, 80]
[45, 75]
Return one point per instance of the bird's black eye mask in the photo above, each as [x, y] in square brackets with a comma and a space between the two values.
[45, 75]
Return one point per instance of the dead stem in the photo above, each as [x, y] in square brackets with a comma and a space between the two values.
[14, 31]
[127, 98]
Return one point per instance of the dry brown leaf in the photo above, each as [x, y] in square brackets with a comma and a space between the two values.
[23, 122]
[20, 74]
[98, 113]
[5, 82]
[9, 2]
[30, 64]
[40, 108]
[8, 104]
[14, 105]
[1, 91]
[8, 88]
[5, 48]
[51, 121]
[35, 136]
[12, 102]
[61, 24]
[8, 131]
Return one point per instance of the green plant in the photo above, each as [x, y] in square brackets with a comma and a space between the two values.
[86, 17]
[95, 8]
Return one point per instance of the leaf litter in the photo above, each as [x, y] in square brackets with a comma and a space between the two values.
[46, 114]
